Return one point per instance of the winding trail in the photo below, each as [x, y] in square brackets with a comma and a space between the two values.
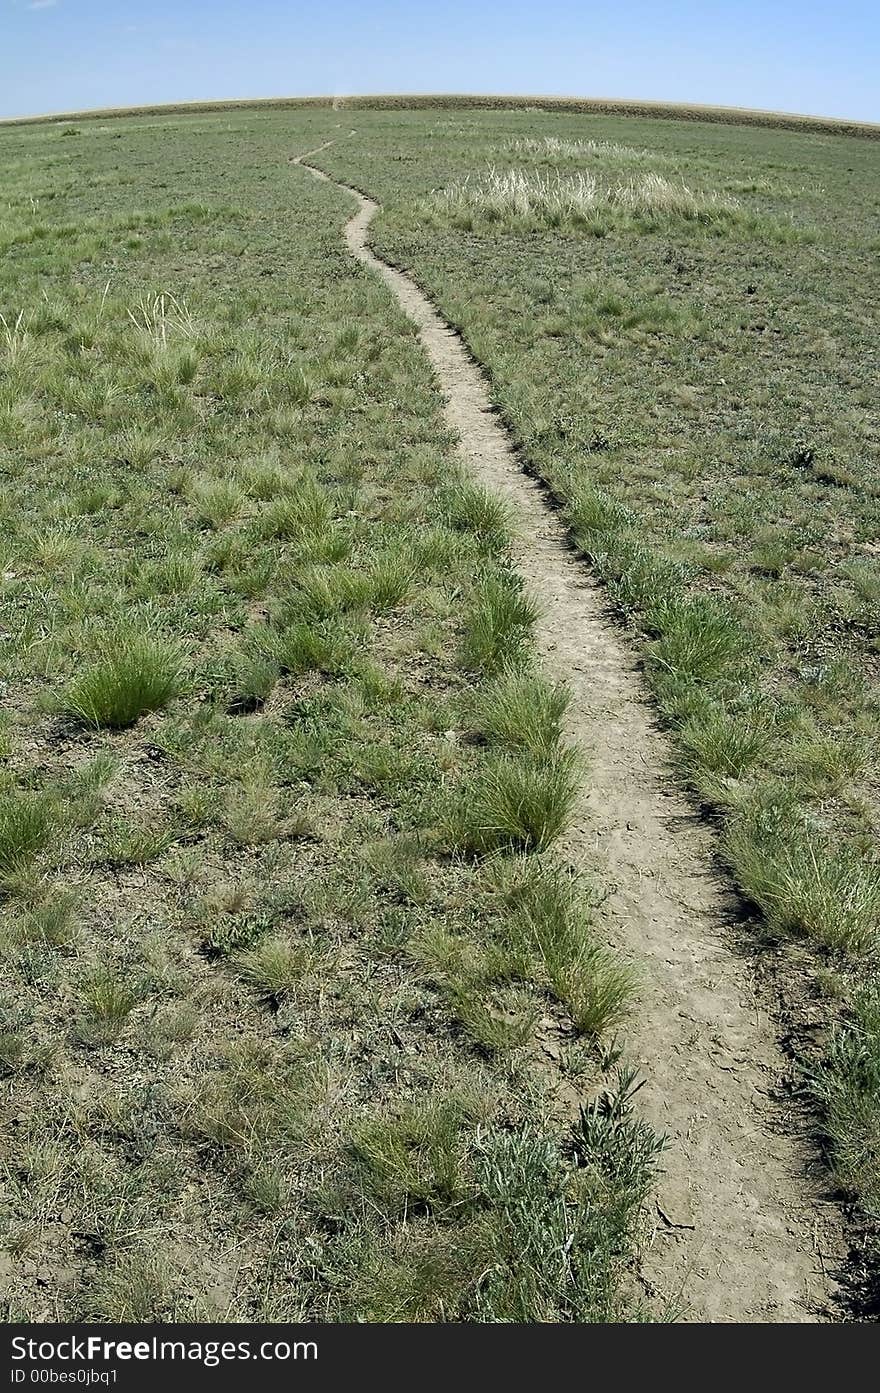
[739, 1233]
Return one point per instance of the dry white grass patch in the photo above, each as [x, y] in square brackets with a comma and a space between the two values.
[523, 194]
[160, 316]
[551, 198]
[652, 193]
[607, 151]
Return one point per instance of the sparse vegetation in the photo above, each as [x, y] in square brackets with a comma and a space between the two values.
[279, 910]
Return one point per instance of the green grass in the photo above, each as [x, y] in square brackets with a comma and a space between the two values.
[522, 710]
[498, 625]
[135, 674]
[26, 826]
[516, 803]
[267, 1037]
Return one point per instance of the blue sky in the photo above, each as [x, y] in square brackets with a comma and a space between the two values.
[789, 55]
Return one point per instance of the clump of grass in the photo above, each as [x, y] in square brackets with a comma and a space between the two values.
[389, 581]
[14, 338]
[722, 749]
[300, 512]
[529, 196]
[13, 1053]
[523, 711]
[51, 923]
[135, 843]
[654, 195]
[161, 318]
[496, 1019]
[308, 648]
[254, 680]
[516, 803]
[135, 674]
[495, 1016]
[545, 934]
[108, 1000]
[323, 591]
[800, 879]
[397, 866]
[135, 1288]
[414, 1158]
[604, 151]
[275, 966]
[699, 638]
[497, 626]
[140, 446]
[217, 501]
[847, 1086]
[254, 1097]
[175, 574]
[26, 828]
[467, 507]
[251, 814]
[537, 198]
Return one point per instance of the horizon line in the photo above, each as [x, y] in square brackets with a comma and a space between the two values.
[603, 105]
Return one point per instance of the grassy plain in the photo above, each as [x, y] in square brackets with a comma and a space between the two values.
[679, 325]
[296, 1001]
[297, 1007]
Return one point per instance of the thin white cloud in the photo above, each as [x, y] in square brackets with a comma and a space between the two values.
[42, 4]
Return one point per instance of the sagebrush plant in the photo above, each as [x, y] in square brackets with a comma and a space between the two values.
[545, 1226]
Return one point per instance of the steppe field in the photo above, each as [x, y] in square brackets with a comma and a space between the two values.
[439, 710]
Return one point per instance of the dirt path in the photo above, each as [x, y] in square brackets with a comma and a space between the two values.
[737, 1234]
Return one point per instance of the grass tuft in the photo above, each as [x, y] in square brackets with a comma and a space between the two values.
[523, 711]
[801, 880]
[516, 804]
[498, 626]
[26, 828]
[137, 673]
